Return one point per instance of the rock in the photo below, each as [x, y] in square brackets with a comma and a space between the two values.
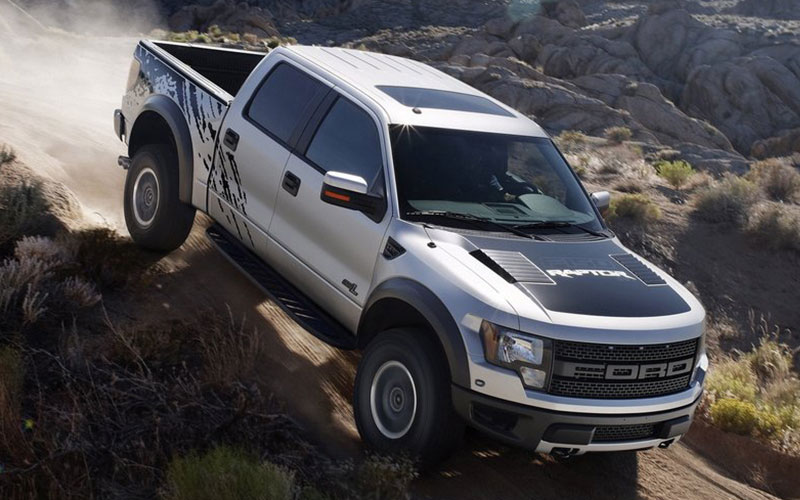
[470, 46]
[713, 161]
[566, 12]
[500, 26]
[785, 144]
[525, 47]
[748, 98]
[652, 110]
[774, 9]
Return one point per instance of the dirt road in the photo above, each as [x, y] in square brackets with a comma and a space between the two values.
[57, 95]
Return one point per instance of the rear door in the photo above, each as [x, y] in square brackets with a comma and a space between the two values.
[336, 246]
[257, 137]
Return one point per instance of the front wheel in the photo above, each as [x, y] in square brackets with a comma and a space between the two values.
[155, 216]
[402, 400]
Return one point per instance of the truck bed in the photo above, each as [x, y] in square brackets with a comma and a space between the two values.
[226, 68]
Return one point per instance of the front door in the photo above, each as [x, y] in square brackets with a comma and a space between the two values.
[338, 245]
[257, 136]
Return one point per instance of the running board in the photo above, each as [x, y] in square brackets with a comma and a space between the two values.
[302, 309]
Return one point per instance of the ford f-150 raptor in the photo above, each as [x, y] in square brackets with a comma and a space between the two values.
[391, 208]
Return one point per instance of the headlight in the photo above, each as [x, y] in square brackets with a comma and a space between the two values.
[526, 354]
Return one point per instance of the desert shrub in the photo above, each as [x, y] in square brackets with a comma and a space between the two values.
[636, 207]
[729, 200]
[629, 186]
[618, 135]
[7, 155]
[10, 387]
[732, 378]
[230, 351]
[80, 292]
[570, 138]
[386, 478]
[226, 473]
[102, 256]
[758, 393]
[780, 181]
[22, 211]
[676, 173]
[776, 227]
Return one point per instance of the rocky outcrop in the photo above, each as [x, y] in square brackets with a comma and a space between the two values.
[748, 98]
[228, 15]
[652, 110]
[775, 9]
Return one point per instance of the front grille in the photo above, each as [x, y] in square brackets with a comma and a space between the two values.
[625, 353]
[606, 433]
[617, 390]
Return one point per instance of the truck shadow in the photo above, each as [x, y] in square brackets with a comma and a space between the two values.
[483, 468]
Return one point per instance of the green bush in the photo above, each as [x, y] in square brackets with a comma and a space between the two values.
[776, 227]
[570, 138]
[226, 474]
[636, 207]
[675, 172]
[740, 417]
[618, 135]
[729, 200]
[780, 181]
[732, 378]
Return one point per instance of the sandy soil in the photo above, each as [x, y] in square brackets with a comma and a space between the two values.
[57, 95]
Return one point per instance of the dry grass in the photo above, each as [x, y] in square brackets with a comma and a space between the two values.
[230, 351]
[779, 180]
[637, 208]
[727, 201]
[618, 135]
[11, 377]
[777, 227]
[758, 393]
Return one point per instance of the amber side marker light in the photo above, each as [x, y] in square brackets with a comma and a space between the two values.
[337, 196]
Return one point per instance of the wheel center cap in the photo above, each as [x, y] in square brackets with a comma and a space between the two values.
[396, 399]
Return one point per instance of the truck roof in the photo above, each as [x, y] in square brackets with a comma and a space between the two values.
[413, 93]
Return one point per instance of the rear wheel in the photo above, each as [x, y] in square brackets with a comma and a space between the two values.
[402, 400]
[155, 216]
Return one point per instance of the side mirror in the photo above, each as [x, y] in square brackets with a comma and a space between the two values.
[350, 191]
[602, 200]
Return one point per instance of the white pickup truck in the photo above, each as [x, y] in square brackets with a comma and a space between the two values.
[393, 209]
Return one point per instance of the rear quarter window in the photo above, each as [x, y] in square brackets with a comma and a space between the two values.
[283, 99]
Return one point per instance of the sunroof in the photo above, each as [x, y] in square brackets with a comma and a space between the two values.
[442, 99]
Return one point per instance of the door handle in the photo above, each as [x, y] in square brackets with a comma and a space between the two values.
[231, 139]
[291, 183]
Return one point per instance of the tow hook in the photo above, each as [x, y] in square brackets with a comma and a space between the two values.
[666, 444]
[564, 452]
[124, 162]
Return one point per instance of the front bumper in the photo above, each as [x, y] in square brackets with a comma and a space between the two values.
[549, 431]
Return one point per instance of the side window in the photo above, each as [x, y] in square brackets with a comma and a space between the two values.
[348, 141]
[283, 99]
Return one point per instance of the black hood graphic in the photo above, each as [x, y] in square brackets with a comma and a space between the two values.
[592, 278]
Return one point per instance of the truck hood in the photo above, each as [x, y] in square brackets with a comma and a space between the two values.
[588, 278]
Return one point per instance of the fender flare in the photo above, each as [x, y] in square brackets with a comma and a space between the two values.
[435, 313]
[172, 115]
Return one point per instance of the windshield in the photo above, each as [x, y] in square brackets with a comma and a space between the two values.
[515, 180]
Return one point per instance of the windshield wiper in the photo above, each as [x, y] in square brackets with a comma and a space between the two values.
[446, 214]
[545, 224]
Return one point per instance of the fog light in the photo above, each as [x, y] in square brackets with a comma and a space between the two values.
[533, 377]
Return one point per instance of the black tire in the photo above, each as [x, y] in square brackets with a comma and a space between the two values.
[433, 429]
[156, 218]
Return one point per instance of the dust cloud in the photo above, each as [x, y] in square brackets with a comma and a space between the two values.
[63, 71]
